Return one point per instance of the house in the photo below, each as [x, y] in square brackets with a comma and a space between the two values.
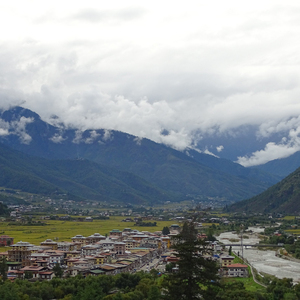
[51, 244]
[6, 240]
[34, 270]
[79, 239]
[235, 270]
[93, 239]
[119, 247]
[96, 272]
[226, 260]
[20, 252]
[46, 275]
[115, 233]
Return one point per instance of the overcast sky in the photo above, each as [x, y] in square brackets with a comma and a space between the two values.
[143, 66]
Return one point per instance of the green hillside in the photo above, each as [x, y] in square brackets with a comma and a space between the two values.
[283, 197]
[156, 171]
[81, 179]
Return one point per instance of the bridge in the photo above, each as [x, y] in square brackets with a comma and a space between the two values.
[253, 245]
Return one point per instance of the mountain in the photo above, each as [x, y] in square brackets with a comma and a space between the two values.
[179, 173]
[80, 179]
[282, 167]
[283, 197]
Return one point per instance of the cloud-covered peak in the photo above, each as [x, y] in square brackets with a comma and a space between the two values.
[150, 68]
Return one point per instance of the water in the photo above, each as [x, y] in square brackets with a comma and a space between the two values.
[263, 261]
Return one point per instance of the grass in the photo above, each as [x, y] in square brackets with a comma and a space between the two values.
[65, 230]
[289, 217]
[249, 283]
[293, 231]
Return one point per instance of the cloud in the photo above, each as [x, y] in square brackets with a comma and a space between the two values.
[18, 128]
[150, 68]
[107, 136]
[78, 137]
[288, 146]
[3, 132]
[138, 141]
[220, 148]
[206, 151]
[110, 15]
[57, 138]
[93, 136]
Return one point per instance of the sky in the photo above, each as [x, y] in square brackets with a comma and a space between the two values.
[154, 67]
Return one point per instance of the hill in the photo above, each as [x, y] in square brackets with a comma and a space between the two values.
[177, 173]
[80, 179]
[282, 167]
[283, 197]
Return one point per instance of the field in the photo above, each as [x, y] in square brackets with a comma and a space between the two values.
[289, 217]
[249, 283]
[293, 231]
[65, 230]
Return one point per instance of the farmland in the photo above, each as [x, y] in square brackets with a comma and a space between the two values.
[65, 230]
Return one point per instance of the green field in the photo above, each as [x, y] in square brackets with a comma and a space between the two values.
[289, 217]
[293, 231]
[249, 283]
[65, 230]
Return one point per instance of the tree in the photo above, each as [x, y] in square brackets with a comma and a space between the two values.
[196, 275]
[154, 293]
[230, 250]
[58, 271]
[166, 230]
[3, 269]
[27, 275]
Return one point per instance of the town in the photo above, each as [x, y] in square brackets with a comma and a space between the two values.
[120, 252]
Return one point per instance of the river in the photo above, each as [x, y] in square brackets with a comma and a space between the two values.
[263, 261]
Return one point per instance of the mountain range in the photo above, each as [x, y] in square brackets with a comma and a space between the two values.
[112, 165]
[282, 197]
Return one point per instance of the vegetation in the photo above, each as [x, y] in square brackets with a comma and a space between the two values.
[145, 224]
[165, 230]
[117, 166]
[196, 276]
[282, 197]
[64, 230]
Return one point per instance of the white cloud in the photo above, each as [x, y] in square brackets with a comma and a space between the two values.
[288, 146]
[138, 141]
[107, 136]
[57, 138]
[144, 67]
[220, 148]
[206, 151]
[92, 138]
[18, 127]
[3, 132]
[78, 137]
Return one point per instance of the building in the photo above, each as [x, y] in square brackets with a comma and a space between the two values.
[79, 239]
[119, 247]
[49, 243]
[235, 270]
[20, 252]
[115, 233]
[93, 239]
[6, 240]
[226, 260]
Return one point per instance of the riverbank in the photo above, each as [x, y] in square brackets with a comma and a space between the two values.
[264, 261]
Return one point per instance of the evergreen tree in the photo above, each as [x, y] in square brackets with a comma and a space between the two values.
[3, 269]
[58, 271]
[196, 276]
[166, 230]
[154, 293]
